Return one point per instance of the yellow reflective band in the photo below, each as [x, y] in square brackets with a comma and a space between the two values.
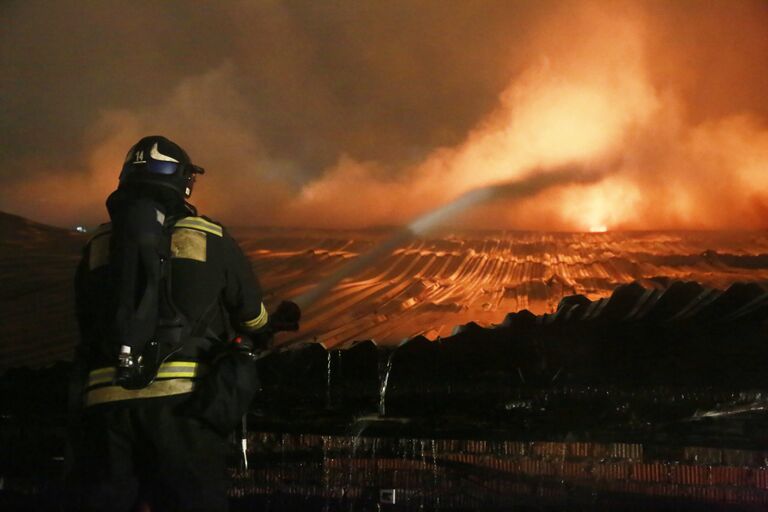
[201, 225]
[258, 322]
[163, 375]
[173, 369]
[103, 371]
[179, 364]
[179, 369]
[157, 388]
[101, 376]
[100, 380]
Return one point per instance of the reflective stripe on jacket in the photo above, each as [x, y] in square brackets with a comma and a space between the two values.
[173, 378]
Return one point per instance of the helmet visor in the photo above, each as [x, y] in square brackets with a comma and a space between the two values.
[151, 166]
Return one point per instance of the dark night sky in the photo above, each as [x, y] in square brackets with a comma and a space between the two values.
[356, 113]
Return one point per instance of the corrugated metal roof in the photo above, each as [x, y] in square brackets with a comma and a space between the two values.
[37, 267]
[427, 286]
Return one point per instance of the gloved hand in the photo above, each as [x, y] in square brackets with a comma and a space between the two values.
[286, 317]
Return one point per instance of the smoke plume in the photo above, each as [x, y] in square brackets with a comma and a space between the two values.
[367, 113]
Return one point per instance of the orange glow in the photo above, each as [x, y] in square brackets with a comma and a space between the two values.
[584, 102]
[587, 82]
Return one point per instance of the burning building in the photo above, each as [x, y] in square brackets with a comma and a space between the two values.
[529, 238]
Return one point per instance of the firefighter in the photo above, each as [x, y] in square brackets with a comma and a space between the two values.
[160, 293]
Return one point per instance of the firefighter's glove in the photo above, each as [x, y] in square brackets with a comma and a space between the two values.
[252, 344]
[286, 317]
[243, 344]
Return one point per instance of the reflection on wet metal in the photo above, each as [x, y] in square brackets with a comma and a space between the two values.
[732, 410]
[516, 190]
[328, 383]
[384, 372]
[388, 496]
[498, 474]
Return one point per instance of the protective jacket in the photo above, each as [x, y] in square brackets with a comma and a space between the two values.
[211, 283]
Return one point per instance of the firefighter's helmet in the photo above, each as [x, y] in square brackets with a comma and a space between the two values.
[157, 161]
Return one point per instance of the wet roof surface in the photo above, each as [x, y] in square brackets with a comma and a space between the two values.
[425, 287]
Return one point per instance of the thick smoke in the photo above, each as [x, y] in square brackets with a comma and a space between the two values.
[368, 113]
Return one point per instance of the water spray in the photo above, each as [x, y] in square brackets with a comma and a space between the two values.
[512, 190]
[516, 190]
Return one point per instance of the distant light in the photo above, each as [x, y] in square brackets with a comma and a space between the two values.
[388, 496]
[598, 229]
[81, 229]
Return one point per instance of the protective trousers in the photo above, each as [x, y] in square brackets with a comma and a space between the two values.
[144, 451]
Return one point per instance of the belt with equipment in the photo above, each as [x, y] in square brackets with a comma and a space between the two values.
[173, 378]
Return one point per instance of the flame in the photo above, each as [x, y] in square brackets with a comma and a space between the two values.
[586, 101]
[569, 107]
[591, 82]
